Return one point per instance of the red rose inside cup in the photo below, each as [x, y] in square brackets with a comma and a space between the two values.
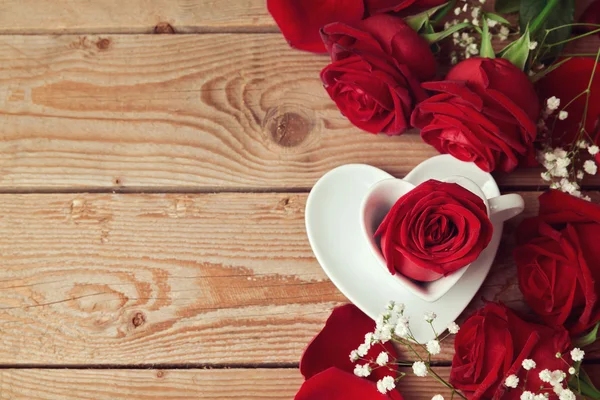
[434, 230]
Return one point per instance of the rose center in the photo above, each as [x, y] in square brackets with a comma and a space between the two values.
[439, 230]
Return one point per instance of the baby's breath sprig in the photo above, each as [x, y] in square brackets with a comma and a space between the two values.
[392, 325]
[565, 169]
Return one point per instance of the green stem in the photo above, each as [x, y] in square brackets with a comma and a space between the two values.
[575, 24]
[539, 21]
[574, 38]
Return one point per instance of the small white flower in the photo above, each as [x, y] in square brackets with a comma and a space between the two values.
[433, 347]
[559, 152]
[540, 396]
[399, 308]
[546, 176]
[528, 364]
[512, 381]
[447, 25]
[362, 371]
[558, 389]
[382, 358]
[553, 103]
[363, 349]
[590, 167]
[504, 31]
[572, 371]
[577, 354]
[386, 384]
[472, 49]
[580, 174]
[567, 395]
[475, 12]
[482, 1]
[593, 150]
[419, 368]
[563, 115]
[354, 356]
[550, 157]
[533, 45]
[475, 22]
[545, 375]
[492, 23]
[554, 185]
[369, 338]
[453, 328]
[556, 377]
[429, 316]
[465, 8]
[402, 330]
[437, 397]
[527, 395]
[563, 162]
[457, 11]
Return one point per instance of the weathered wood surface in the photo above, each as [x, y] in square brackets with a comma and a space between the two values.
[179, 113]
[242, 384]
[134, 16]
[144, 279]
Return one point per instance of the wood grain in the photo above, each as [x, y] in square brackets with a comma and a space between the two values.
[135, 16]
[206, 279]
[179, 113]
[242, 384]
[239, 384]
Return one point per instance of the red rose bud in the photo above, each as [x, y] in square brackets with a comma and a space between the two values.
[557, 260]
[376, 71]
[434, 230]
[492, 344]
[301, 20]
[404, 6]
[485, 112]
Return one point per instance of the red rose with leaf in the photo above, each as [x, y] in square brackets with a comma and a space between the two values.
[376, 72]
[558, 259]
[485, 111]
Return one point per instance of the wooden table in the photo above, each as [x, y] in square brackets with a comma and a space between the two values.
[153, 186]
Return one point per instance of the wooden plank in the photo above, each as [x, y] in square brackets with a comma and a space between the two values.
[207, 279]
[179, 113]
[136, 16]
[243, 384]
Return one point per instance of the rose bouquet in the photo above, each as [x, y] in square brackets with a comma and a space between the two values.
[525, 101]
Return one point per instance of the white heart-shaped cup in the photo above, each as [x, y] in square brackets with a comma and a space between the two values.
[384, 194]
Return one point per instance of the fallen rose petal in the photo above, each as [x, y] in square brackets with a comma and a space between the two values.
[343, 332]
[335, 384]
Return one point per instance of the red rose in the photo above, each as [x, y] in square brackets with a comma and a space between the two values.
[301, 20]
[376, 71]
[485, 112]
[405, 6]
[343, 332]
[492, 344]
[558, 261]
[566, 82]
[335, 384]
[433, 230]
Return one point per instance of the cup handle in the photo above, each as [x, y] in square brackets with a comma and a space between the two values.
[503, 208]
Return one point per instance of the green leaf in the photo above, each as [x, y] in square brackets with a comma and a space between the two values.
[545, 72]
[507, 6]
[547, 14]
[486, 42]
[587, 386]
[518, 51]
[496, 17]
[587, 339]
[417, 21]
[436, 37]
[443, 12]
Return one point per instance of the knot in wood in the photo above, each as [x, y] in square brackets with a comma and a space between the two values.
[103, 44]
[163, 27]
[138, 319]
[287, 129]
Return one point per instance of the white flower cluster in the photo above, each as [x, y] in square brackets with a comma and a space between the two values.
[555, 379]
[560, 165]
[469, 13]
[393, 325]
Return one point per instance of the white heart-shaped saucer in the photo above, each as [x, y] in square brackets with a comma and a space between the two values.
[334, 233]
